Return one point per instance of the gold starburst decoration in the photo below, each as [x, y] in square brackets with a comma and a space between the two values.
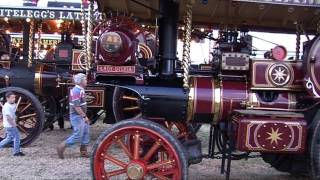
[279, 74]
[274, 136]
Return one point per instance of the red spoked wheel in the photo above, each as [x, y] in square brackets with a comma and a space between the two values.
[115, 158]
[179, 129]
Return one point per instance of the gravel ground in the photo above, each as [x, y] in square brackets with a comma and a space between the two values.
[41, 162]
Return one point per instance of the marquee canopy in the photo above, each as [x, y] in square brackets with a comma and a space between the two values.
[265, 15]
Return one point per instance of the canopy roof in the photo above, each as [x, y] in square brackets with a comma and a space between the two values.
[264, 15]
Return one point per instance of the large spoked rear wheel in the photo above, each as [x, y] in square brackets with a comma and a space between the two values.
[315, 152]
[114, 157]
[30, 114]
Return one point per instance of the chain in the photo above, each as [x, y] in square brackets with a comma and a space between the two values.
[84, 32]
[39, 39]
[218, 155]
[298, 40]
[31, 34]
[186, 61]
[90, 35]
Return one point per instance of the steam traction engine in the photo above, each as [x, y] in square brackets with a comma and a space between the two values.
[266, 105]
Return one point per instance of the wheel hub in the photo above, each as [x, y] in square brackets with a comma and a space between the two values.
[135, 171]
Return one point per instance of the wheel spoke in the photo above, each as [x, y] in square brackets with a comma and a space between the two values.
[115, 161]
[43, 102]
[124, 148]
[22, 129]
[25, 108]
[133, 108]
[130, 98]
[18, 103]
[116, 172]
[28, 115]
[136, 146]
[152, 150]
[159, 164]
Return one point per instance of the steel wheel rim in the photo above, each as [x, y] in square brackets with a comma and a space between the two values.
[135, 156]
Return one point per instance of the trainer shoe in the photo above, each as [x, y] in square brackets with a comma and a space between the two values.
[19, 154]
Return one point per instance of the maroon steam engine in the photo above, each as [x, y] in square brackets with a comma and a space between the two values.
[253, 105]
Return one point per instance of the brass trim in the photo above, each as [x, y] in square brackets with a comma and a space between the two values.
[292, 101]
[38, 79]
[281, 89]
[191, 100]
[217, 100]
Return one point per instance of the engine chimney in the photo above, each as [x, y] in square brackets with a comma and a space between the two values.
[168, 35]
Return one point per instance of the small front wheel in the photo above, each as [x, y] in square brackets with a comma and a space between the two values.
[116, 158]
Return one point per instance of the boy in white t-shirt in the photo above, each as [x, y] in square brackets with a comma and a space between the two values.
[9, 123]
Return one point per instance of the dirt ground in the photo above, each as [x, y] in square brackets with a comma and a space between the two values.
[41, 162]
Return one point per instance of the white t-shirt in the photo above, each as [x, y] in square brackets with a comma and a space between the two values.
[9, 110]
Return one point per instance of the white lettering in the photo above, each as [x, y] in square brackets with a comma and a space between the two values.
[1, 12]
[69, 16]
[36, 14]
[16, 13]
[8, 12]
[29, 13]
[61, 15]
[44, 14]
[52, 15]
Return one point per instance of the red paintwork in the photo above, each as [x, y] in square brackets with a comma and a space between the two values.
[203, 95]
[232, 94]
[253, 134]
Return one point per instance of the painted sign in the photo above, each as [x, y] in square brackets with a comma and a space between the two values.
[47, 42]
[315, 3]
[116, 69]
[41, 13]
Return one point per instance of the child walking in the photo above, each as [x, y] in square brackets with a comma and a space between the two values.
[9, 123]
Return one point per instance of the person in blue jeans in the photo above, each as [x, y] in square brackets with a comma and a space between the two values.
[9, 123]
[78, 118]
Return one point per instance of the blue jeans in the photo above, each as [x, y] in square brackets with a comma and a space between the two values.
[12, 134]
[80, 131]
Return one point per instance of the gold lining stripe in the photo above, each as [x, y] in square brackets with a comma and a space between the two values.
[217, 101]
[195, 95]
[191, 100]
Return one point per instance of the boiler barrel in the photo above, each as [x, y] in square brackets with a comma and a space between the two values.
[17, 75]
[40, 79]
